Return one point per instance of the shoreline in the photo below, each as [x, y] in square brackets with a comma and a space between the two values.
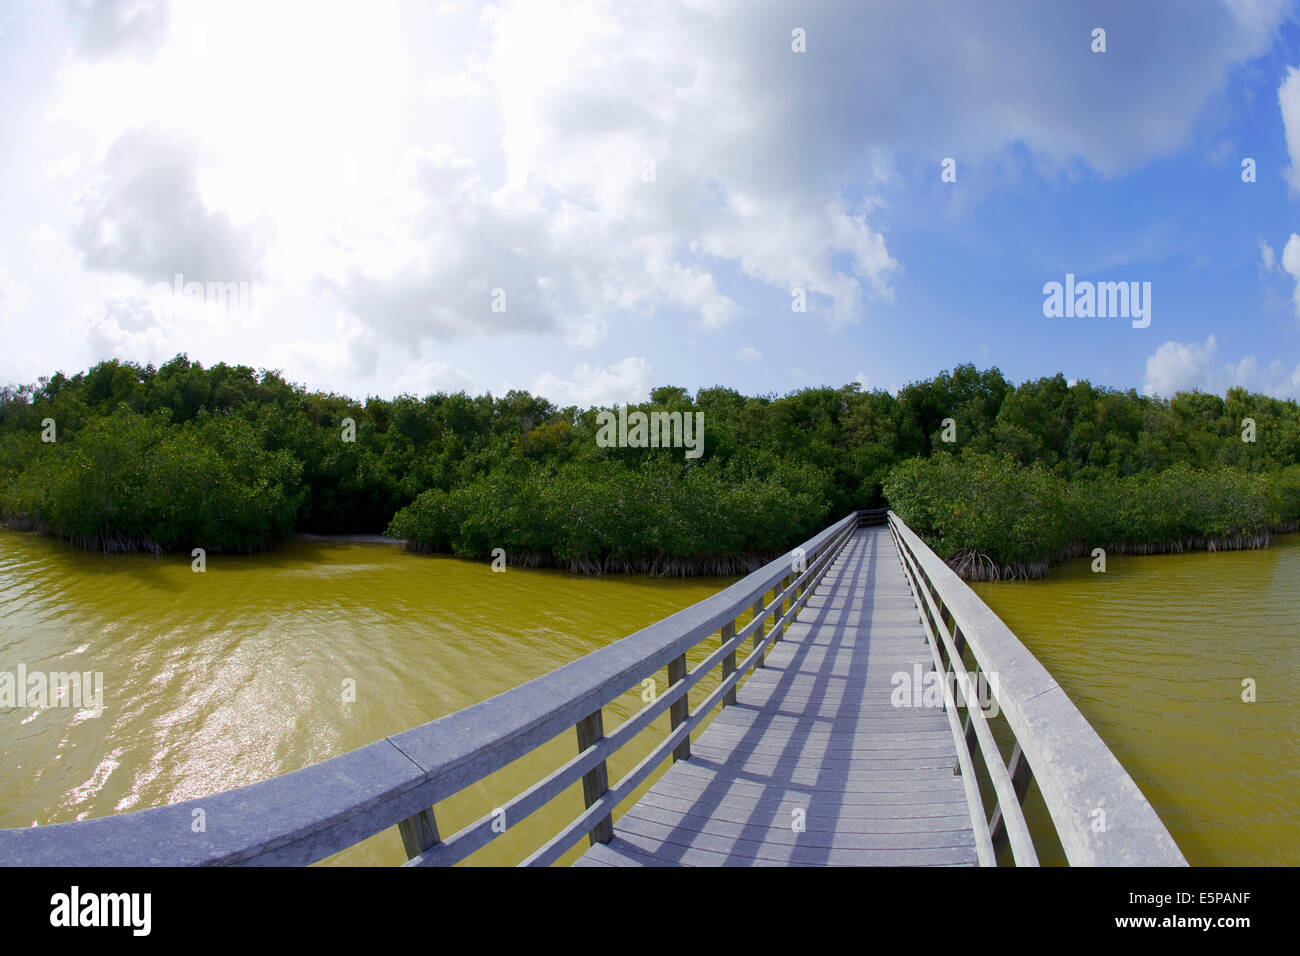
[654, 566]
[345, 538]
[980, 567]
[970, 566]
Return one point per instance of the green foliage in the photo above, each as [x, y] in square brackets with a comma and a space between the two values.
[135, 481]
[976, 508]
[587, 515]
[228, 457]
[982, 505]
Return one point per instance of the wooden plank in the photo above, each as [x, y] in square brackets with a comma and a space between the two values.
[707, 788]
[843, 746]
[621, 853]
[657, 823]
[868, 817]
[848, 770]
[727, 851]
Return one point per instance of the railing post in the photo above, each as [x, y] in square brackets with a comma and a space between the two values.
[419, 833]
[757, 609]
[595, 782]
[680, 708]
[729, 663]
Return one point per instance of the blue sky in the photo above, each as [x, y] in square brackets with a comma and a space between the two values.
[648, 185]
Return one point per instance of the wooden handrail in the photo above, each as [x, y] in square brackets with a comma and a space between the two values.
[309, 814]
[1055, 746]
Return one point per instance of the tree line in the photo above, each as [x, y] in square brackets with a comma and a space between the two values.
[1000, 478]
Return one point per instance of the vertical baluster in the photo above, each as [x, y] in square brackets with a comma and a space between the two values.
[595, 782]
[679, 710]
[729, 662]
[419, 832]
[777, 627]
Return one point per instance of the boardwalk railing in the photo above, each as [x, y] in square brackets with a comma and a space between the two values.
[307, 815]
[1100, 816]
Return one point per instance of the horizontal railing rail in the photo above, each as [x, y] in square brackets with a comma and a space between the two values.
[1100, 816]
[307, 815]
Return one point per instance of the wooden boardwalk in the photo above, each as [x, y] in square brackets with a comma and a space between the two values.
[815, 731]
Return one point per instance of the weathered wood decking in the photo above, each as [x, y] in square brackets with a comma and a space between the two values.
[814, 731]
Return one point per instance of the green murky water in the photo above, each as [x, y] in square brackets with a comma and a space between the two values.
[219, 679]
[1154, 652]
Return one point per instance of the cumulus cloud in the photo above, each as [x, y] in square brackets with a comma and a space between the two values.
[1179, 367]
[468, 259]
[142, 214]
[613, 162]
[1291, 264]
[349, 351]
[642, 147]
[1267, 257]
[109, 27]
[19, 366]
[749, 354]
[617, 384]
[1288, 97]
[1188, 366]
[429, 377]
[131, 329]
[15, 296]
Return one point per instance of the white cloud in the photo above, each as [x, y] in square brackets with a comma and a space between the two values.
[108, 27]
[1267, 257]
[749, 354]
[429, 377]
[1179, 367]
[617, 384]
[1288, 97]
[1291, 264]
[1188, 366]
[350, 352]
[142, 213]
[20, 366]
[751, 149]
[863, 380]
[520, 164]
[130, 329]
[15, 296]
